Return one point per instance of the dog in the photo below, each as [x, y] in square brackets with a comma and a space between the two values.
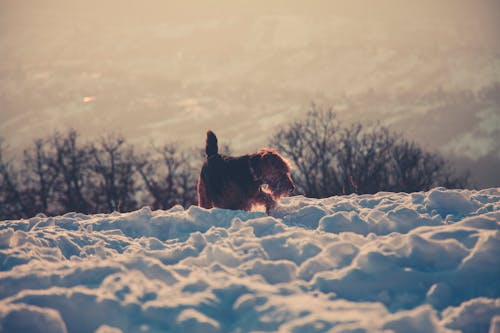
[239, 182]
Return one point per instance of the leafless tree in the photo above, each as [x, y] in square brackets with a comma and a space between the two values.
[416, 170]
[40, 174]
[71, 161]
[363, 158]
[12, 204]
[312, 146]
[169, 176]
[113, 181]
[59, 174]
[331, 158]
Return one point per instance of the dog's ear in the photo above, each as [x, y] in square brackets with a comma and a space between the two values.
[272, 158]
[267, 156]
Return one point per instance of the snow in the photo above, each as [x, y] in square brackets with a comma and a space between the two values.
[419, 262]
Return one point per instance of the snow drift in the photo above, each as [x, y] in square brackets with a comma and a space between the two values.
[420, 262]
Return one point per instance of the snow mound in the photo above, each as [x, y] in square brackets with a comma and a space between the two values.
[420, 262]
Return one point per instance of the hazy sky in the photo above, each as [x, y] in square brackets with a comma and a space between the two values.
[168, 70]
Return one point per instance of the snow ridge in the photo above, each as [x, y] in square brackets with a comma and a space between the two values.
[419, 262]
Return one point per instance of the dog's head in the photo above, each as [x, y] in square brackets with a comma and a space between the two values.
[275, 172]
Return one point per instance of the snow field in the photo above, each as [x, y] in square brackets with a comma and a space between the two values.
[420, 262]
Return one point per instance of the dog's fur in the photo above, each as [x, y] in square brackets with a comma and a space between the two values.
[237, 182]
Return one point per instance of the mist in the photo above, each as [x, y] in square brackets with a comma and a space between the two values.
[161, 71]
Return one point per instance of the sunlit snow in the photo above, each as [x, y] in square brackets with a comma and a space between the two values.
[420, 262]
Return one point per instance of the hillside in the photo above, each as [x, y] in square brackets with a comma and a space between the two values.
[419, 262]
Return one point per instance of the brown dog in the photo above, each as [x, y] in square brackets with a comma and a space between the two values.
[236, 182]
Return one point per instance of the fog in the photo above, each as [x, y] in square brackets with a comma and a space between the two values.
[161, 71]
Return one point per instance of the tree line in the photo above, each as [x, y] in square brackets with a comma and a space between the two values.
[60, 174]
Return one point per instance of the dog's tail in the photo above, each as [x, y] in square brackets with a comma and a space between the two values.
[211, 146]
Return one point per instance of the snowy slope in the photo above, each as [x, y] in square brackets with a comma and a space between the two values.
[421, 262]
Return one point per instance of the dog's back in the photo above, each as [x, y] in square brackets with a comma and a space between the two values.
[218, 171]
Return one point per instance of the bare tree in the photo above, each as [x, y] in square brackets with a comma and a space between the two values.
[59, 174]
[113, 182]
[331, 158]
[363, 159]
[312, 146]
[71, 163]
[12, 203]
[40, 174]
[169, 176]
[416, 170]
